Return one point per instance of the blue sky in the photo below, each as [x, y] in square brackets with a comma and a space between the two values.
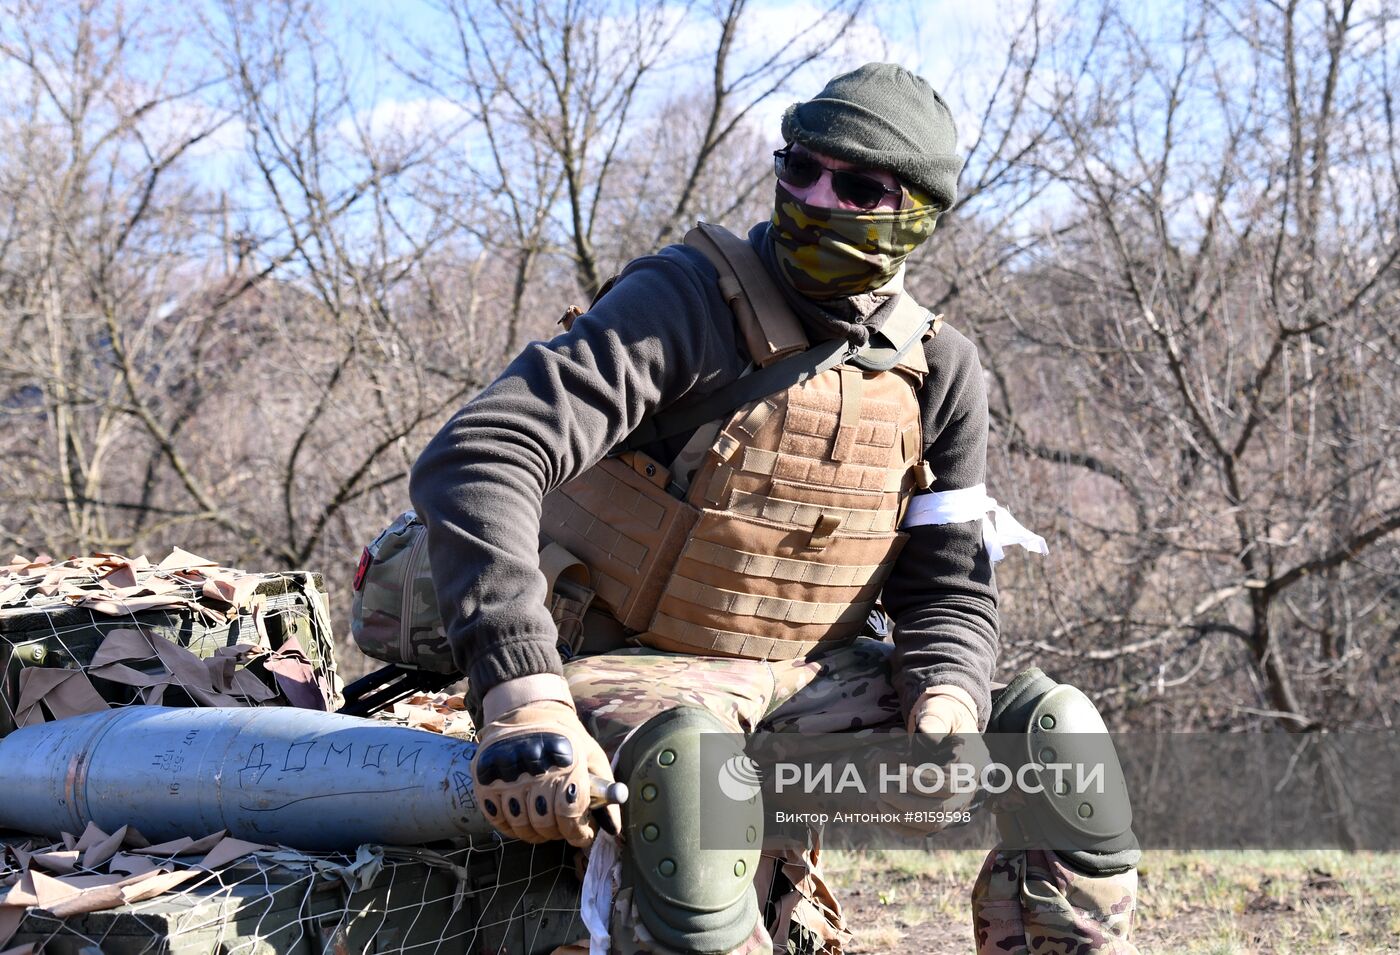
[958, 46]
[946, 42]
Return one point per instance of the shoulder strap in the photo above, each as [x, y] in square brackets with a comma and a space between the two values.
[893, 344]
[779, 376]
[771, 331]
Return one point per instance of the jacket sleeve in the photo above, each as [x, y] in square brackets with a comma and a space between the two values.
[556, 410]
[941, 593]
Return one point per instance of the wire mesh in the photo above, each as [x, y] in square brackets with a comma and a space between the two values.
[494, 896]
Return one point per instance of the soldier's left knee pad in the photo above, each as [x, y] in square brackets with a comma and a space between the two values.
[691, 898]
[1082, 811]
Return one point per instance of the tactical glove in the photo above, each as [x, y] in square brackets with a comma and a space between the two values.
[943, 710]
[943, 730]
[532, 770]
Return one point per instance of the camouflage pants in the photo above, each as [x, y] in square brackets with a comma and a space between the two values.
[1024, 902]
[1030, 902]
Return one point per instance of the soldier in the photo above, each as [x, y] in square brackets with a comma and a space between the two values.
[747, 441]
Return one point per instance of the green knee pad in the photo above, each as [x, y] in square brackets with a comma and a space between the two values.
[691, 899]
[1058, 723]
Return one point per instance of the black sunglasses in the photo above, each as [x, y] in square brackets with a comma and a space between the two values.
[801, 170]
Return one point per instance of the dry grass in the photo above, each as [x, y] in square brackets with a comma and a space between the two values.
[1194, 903]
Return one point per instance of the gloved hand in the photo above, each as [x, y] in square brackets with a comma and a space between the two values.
[943, 711]
[943, 730]
[532, 770]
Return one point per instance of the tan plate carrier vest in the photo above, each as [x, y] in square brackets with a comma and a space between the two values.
[789, 527]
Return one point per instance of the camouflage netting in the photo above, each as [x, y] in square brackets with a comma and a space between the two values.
[114, 894]
[87, 633]
[444, 713]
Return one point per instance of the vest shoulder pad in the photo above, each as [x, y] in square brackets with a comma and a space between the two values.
[770, 329]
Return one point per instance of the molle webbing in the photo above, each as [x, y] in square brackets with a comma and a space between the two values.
[848, 421]
[747, 582]
[779, 609]
[668, 633]
[789, 525]
[772, 508]
[780, 568]
[620, 522]
[807, 471]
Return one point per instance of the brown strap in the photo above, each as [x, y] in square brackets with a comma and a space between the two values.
[716, 491]
[910, 440]
[751, 421]
[556, 562]
[848, 422]
[781, 609]
[770, 329]
[726, 446]
[855, 520]
[781, 568]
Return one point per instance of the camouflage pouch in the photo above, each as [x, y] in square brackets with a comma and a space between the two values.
[570, 595]
[394, 612]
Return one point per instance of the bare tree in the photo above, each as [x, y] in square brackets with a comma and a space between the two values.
[552, 86]
[168, 371]
[242, 281]
[99, 221]
[1206, 347]
[591, 154]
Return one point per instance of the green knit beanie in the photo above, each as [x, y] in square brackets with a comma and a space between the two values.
[885, 117]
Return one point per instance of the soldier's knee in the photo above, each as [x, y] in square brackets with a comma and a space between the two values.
[689, 897]
[1080, 807]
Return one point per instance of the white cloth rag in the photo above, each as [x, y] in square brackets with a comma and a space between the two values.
[600, 882]
[999, 529]
[602, 878]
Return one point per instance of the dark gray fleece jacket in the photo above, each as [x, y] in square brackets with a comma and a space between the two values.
[660, 335]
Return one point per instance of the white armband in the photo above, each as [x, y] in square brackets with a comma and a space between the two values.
[999, 529]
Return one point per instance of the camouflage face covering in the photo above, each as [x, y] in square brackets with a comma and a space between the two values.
[833, 253]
